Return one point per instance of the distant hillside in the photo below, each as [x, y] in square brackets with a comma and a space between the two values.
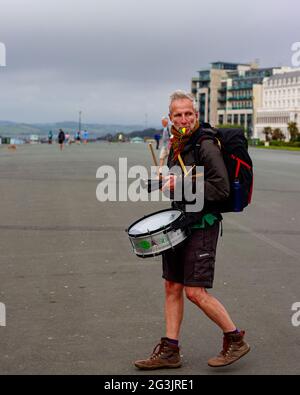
[144, 133]
[13, 129]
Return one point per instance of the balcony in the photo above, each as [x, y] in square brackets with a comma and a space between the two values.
[241, 87]
[241, 108]
[205, 77]
[237, 98]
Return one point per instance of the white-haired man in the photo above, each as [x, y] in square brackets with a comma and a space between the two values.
[189, 268]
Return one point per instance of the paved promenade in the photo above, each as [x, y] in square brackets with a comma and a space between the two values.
[79, 302]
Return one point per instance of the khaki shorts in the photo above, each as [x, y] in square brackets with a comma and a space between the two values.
[192, 263]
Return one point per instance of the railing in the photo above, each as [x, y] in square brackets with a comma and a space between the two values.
[240, 87]
[233, 98]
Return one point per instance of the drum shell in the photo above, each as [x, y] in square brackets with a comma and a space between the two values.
[156, 243]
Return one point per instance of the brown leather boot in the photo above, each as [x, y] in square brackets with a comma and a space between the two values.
[164, 356]
[234, 348]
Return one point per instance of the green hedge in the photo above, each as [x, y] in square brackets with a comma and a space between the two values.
[284, 144]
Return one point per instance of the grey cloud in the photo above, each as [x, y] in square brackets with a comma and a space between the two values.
[138, 47]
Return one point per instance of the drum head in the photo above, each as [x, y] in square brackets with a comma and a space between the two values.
[154, 222]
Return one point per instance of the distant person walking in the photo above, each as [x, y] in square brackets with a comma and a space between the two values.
[157, 138]
[50, 137]
[166, 142]
[85, 137]
[78, 137]
[61, 139]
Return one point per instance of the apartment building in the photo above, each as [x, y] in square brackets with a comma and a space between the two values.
[205, 88]
[280, 102]
[230, 93]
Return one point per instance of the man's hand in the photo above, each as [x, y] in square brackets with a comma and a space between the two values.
[169, 183]
[186, 222]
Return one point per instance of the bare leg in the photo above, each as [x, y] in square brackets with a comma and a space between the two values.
[211, 307]
[173, 309]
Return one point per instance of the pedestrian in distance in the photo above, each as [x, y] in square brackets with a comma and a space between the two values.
[157, 138]
[78, 137]
[166, 142]
[85, 137]
[50, 137]
[61, 139]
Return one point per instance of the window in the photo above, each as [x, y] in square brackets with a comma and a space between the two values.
[249, 120]
[242, 121]
[236, 119]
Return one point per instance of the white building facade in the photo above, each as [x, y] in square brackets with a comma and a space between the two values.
[280, 102]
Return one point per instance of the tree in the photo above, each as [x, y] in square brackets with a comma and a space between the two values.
[293, 131]
[278, 135]
[268, 133]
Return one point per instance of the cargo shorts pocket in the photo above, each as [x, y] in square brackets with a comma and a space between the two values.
[204, 266]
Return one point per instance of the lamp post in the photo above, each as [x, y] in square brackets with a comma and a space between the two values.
[79, 126]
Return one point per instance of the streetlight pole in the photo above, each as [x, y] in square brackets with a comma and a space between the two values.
[79, 127]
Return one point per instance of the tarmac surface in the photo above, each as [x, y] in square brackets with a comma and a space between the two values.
[78, 301]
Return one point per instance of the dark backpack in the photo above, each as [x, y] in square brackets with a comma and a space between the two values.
[234, 147]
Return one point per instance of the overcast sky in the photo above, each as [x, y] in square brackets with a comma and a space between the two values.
[118, 60]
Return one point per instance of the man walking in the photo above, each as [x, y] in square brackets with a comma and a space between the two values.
[61, 139]
[189, 269]
[165, 149]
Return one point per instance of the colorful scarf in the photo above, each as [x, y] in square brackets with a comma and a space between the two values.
[180, 138]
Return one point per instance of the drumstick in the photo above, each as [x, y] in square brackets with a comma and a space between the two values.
[154, 157]
[198, 175]
[188, 173]
[182, 165]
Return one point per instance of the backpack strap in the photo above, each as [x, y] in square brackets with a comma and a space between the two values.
[204, 135]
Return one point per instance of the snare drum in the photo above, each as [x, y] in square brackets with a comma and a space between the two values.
[153, 235]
